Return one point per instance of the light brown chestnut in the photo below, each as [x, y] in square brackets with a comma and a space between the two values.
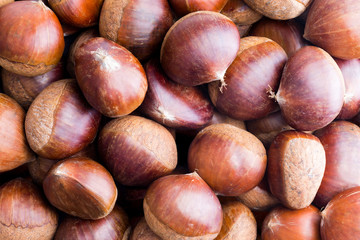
[279, 9]
[137, 150]
[340, 219]
[296, 166]
[110, 77]
[191, 48]
[25, 214]
[138, 25]
[183, 207]
[81, 187]
[13, 145]
[231, 160]
[285, 224]
[311, 91]
[25, 89]
[240, 13]
[341, 141]
[333, 26]
[255, 71]
[114, 226]
[238, 222]
[4, 2]
[60, 122]
[33, 47]
[183, 7]
[142, 231]
[78, 13]
[286, 33]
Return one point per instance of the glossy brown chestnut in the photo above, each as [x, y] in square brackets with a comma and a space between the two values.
[110, 77]
[25, 214]
[191, 48]
[142, 231]
[231, 160]
[351, 72]
[114, 226]
[33, 47]
[333, 26]
[240, 13]
[296, 165]
[80, 187]
[138, 25]
[78, 13]
[238, 222]
[266, 129]
[259, 198]
[183, 207]
[285, 224]
[60, 122]
[172, 104]
[279, 9]
[13, 145]
[286, 33]
[82, 38]
[341, 141]
[340, 219]
[137, 150]
[183, 7]
[25, 89]
[4, 2]
[311, 91]
[255, 71]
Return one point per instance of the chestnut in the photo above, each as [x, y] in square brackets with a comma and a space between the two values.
[231, 160]
[240, 13]
[238, 222]
[295, 157]
[29, 48]
[341, 140]
[255, 71]
[138, 25]
[25, 89]
[112, 227]
[142, 231]
[351, 73]
[60, 122]
[4, 2]
[284, 224]
[110, 77]
[137, 150]
[183, 7]
[279, 9]
[13, 145]
[340, 219]
[310, 96]
[78, 13]
[172, 104]
[80, 187]
[333, 26]
[222, 118]
[25, 214]
[191, 48]
[287, 34]
[182, 207]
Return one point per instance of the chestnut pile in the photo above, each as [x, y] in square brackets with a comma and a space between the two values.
[180, 119]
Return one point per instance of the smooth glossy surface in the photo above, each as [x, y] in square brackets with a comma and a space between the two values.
[183, 207]
[81, 187]
[183, 7]
[341, 141]
[312, 89]
[231, 160]
[110, 77]
[240, 13]
[60, 122]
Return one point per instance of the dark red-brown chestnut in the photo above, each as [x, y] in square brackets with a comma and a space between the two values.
[81, 187]
[191, 48]
[183, 7]
[181, 207]
[296, 166]
[231, 160]
[240, 13]
[110, 77]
